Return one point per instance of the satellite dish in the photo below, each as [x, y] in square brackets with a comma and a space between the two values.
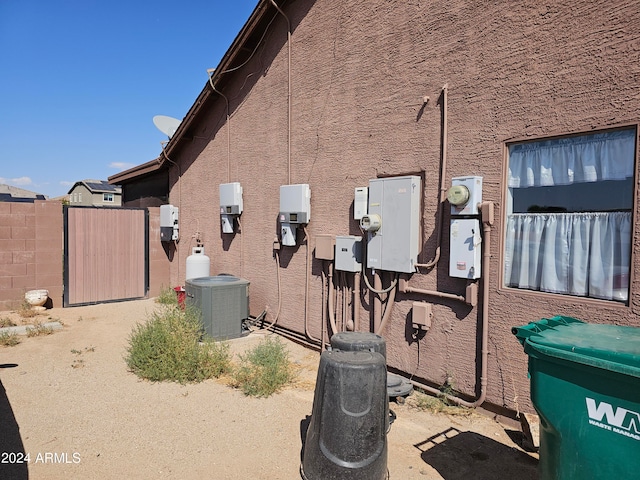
[167, 125]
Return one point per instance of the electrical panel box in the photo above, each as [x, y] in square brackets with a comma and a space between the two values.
[231, 198]
[230, 205]
[325, 247]
[361, 198]
[465, 248]
[169, 230]
[465, 195]
[348, 253]
[394, 210]
[295, 203]
[295, 209]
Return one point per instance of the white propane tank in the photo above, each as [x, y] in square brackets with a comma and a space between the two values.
[198, 264]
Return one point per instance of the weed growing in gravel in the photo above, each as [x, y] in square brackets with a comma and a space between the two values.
[9, 339]
[25, 310]
[167, 348]
[38, 330]
[6, 322]
[264, 369]
[167, 297]
[438, 404]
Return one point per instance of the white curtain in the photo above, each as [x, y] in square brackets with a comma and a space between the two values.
[587, 158]
[583, 254]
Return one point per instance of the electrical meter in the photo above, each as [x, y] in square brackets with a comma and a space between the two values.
[458, 195]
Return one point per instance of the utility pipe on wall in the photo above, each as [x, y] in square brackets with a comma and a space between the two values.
[177, 244]
[443, 189]
[209, 72]
[288, 90]
[486, 256]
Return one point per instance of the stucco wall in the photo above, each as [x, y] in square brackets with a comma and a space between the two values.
[359, 73]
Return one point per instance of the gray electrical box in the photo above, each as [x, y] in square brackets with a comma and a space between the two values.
[295, 203]
[348, 253]
[230, 205]
[394, 202]
[230, 198]
[168, 223]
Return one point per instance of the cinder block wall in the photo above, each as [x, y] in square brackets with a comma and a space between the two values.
[31, 249]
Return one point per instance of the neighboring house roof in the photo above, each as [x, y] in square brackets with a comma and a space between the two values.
[250, 37]
[98, 186]
[9, 193]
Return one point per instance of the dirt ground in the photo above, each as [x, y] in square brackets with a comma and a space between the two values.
[69, 403]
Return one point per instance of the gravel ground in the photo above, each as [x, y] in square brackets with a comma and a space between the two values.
[68, 401]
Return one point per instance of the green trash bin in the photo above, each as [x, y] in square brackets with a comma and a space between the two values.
[585, 386]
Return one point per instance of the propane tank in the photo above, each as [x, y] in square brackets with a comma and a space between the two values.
[198, 264]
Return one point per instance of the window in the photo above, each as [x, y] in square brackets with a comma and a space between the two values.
[569, 210]
[107, 197]
[79, 197]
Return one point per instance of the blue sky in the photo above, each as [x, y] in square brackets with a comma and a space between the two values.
[81, 81]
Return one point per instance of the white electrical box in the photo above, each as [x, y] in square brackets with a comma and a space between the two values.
[361, 198]
[295, 209]
[231, 198]
[295, 203]
[169, 230]
[465, 245]
[348, 253]
[465, 195]
[393, 223]
[230, 205]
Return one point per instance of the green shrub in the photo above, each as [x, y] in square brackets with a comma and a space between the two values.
[168, 348]
[264, 369]
[9, 339]
[168, 296]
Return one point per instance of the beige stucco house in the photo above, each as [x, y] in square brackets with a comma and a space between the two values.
[96, 193]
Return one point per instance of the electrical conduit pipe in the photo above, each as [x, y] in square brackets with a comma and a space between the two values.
[486, 256]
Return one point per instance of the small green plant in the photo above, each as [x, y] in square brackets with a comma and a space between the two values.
[25, 310]
[38, 330]
[6, 322]
[439, 404]
[167, 297]
[9, 339]
[264, 369]
[167, 348]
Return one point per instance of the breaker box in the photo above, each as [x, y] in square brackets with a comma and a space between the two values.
[393, 223]
[230, 204]
[465, 244]
[348, 253]
[169, 230]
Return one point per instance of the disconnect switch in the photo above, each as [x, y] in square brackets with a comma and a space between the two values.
[421, 316]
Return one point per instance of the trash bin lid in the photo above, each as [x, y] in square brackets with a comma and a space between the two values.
[610, 347]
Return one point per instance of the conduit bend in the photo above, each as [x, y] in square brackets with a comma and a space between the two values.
[306, 288]
[387, 312]
[332, 314]
[486, 256]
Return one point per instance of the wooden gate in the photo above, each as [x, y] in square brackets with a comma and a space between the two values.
[105, 254]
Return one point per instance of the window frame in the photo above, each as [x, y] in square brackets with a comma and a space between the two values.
[108, 197]
[505, 201]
